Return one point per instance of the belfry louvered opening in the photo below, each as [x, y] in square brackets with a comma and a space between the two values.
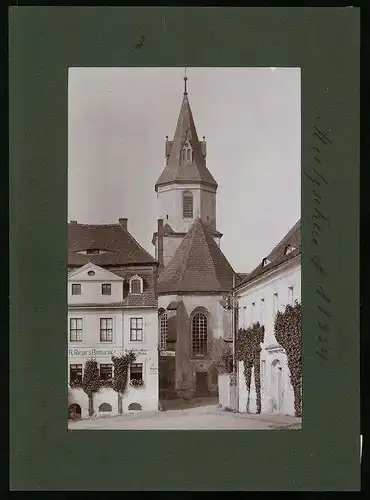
[187, 205]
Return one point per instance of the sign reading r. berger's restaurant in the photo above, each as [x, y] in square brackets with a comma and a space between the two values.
[94, 352]
[107, 352]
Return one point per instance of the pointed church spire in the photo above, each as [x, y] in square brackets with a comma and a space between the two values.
[194, 169]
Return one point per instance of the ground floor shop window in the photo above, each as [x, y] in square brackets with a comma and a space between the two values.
[136, 374]
[75, 373]
[106, 371]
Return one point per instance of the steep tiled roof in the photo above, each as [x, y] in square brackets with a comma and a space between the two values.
[279, 254]
[172, 306]
[119, 245]
[148, 297]
[168, 231]
[176, 170]
[197, 266]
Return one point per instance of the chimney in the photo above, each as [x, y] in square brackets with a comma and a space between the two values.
[123, 223]
[160, 242]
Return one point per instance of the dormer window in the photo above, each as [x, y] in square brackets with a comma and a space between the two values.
[187, 205]
[266, 262]
[136, 285]
[289, 249]
[92, 251]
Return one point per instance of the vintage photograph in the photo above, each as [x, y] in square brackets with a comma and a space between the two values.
[184, 248]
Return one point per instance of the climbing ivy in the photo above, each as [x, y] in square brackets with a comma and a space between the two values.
[222, 356]
[91, 382]
[75, 383]
[121, 365]
[248, 349]
[225, 363]
[288, 335]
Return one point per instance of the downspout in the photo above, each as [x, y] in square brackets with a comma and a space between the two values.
[233, 324]
[160, 244]
[235, 328]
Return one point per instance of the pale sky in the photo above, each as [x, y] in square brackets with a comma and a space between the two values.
[251, 118]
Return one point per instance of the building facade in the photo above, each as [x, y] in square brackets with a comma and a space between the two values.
[275, 283]
[112, 310]
[194, 275]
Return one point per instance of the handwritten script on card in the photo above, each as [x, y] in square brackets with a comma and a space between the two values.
[320, 223]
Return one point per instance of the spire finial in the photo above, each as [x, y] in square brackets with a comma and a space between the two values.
[185, 80]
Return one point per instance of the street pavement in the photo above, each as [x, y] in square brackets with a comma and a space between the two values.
[205, 417]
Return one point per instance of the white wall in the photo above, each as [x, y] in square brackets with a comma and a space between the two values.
[91, 292]
[265, 288]
[146, 396]
[91, 327]
[227, 391]
[218, 316]
[272, 355]
[170, 204]
[92, 347]
[208, 207]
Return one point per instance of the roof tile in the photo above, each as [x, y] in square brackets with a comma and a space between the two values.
[197, 266]
[278, 254]
[120, 246]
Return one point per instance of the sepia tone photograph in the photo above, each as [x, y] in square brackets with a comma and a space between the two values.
[184, 249]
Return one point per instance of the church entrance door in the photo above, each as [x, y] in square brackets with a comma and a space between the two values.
[201, 383]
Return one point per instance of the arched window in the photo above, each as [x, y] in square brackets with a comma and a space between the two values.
[136, 285]
[187, 205]
[134, 406]
[187, 153]
[105, 407]
[74, 412]
[163, 328]
[199, 334]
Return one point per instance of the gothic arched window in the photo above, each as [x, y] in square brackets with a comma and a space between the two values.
[187, 205]
[187, 153]
[199, 334]
[163, 329]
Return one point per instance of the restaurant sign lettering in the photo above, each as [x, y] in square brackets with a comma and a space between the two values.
[94, 352]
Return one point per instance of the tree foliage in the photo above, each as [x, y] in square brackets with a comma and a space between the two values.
[288, 335]
[248, 349]
[91, 378]
[120, 377]
[222, 355]
[91, 381]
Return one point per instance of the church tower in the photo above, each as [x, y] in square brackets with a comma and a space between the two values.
[186, 190]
